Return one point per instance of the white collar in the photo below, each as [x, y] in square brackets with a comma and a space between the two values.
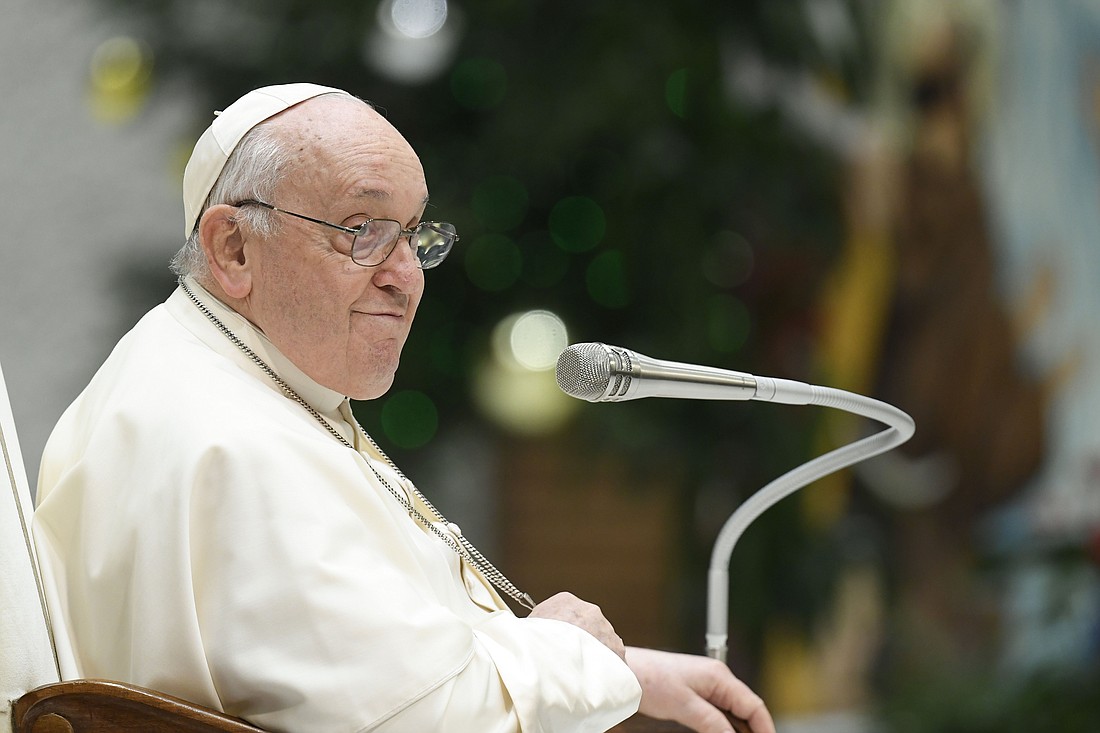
[321, 398]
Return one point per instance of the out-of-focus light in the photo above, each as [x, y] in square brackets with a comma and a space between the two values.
[119, 78]
[409, 418]
[577, 223]
[515, 385]
[727, 261]
[418, 18]
[119, 63]
[535, 339]
[413, 41]
[606, 280]
[676, 92]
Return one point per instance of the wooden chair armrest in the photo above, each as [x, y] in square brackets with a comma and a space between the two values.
[99, 706]
[92, 706]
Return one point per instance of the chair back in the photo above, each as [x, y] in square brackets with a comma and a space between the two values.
[27, 658]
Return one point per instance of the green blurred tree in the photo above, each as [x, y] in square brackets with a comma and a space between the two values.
[597, 164]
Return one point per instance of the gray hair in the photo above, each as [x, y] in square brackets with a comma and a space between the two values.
[253, 171]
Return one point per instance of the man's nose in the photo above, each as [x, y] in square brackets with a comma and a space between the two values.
[402, 265]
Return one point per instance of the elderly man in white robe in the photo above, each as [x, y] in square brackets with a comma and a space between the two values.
[213, 522]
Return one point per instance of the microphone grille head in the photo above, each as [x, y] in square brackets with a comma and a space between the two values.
[584, 371]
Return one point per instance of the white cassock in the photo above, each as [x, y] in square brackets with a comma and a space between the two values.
[201, 534]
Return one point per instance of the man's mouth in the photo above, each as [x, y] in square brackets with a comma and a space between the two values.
[383, 313]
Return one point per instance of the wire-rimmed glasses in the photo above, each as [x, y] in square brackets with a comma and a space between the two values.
[375, 239]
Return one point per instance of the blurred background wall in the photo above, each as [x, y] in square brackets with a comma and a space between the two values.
[88, 199]
[896, 198]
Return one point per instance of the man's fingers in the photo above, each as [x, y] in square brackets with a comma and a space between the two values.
[588, 616]
[739, 725]
[701, 716]
[742, 703]
[754, 714]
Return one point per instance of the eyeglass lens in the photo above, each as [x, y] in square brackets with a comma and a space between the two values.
[431, 241]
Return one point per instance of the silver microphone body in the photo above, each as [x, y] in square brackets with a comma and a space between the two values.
[600, 373]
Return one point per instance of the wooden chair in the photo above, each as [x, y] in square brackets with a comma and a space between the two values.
[33, 697]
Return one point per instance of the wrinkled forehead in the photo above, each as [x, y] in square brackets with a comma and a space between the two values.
[332, 126]
[342, 139]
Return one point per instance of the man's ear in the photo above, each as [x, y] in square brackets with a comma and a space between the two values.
[223, 242]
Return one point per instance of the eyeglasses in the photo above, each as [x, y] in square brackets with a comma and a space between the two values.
[375, 239]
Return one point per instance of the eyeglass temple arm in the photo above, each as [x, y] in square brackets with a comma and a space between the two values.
[349, 230]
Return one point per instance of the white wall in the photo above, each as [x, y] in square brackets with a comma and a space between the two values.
[83, 206]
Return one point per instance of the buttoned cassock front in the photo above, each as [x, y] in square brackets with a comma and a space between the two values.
[201, 534]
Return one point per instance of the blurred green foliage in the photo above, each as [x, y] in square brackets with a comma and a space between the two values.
[597, 164]
[950, 700]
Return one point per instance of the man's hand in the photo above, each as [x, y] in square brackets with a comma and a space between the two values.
[695, 691]
[567, 607]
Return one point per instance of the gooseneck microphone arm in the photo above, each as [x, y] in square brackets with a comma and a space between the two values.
[900, 430]
[601, 373]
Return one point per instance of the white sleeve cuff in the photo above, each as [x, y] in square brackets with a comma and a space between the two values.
[560, 678]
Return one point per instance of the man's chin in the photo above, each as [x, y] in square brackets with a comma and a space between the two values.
[371, 391]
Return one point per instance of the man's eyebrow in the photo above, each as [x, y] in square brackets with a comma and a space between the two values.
[379, 195]
[372, 193]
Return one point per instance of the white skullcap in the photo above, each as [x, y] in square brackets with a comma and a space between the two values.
[229, 126]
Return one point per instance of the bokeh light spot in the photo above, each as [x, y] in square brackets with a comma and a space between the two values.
[493, 262]
[676, 92]
[515, 385]
[120, 74]
[409, 418]
[577, 223]
[537, 338]
[418, 18]
[413, 41]
[728, 260]
[606, 280]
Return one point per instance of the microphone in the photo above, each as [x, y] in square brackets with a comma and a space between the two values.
[600, 373]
